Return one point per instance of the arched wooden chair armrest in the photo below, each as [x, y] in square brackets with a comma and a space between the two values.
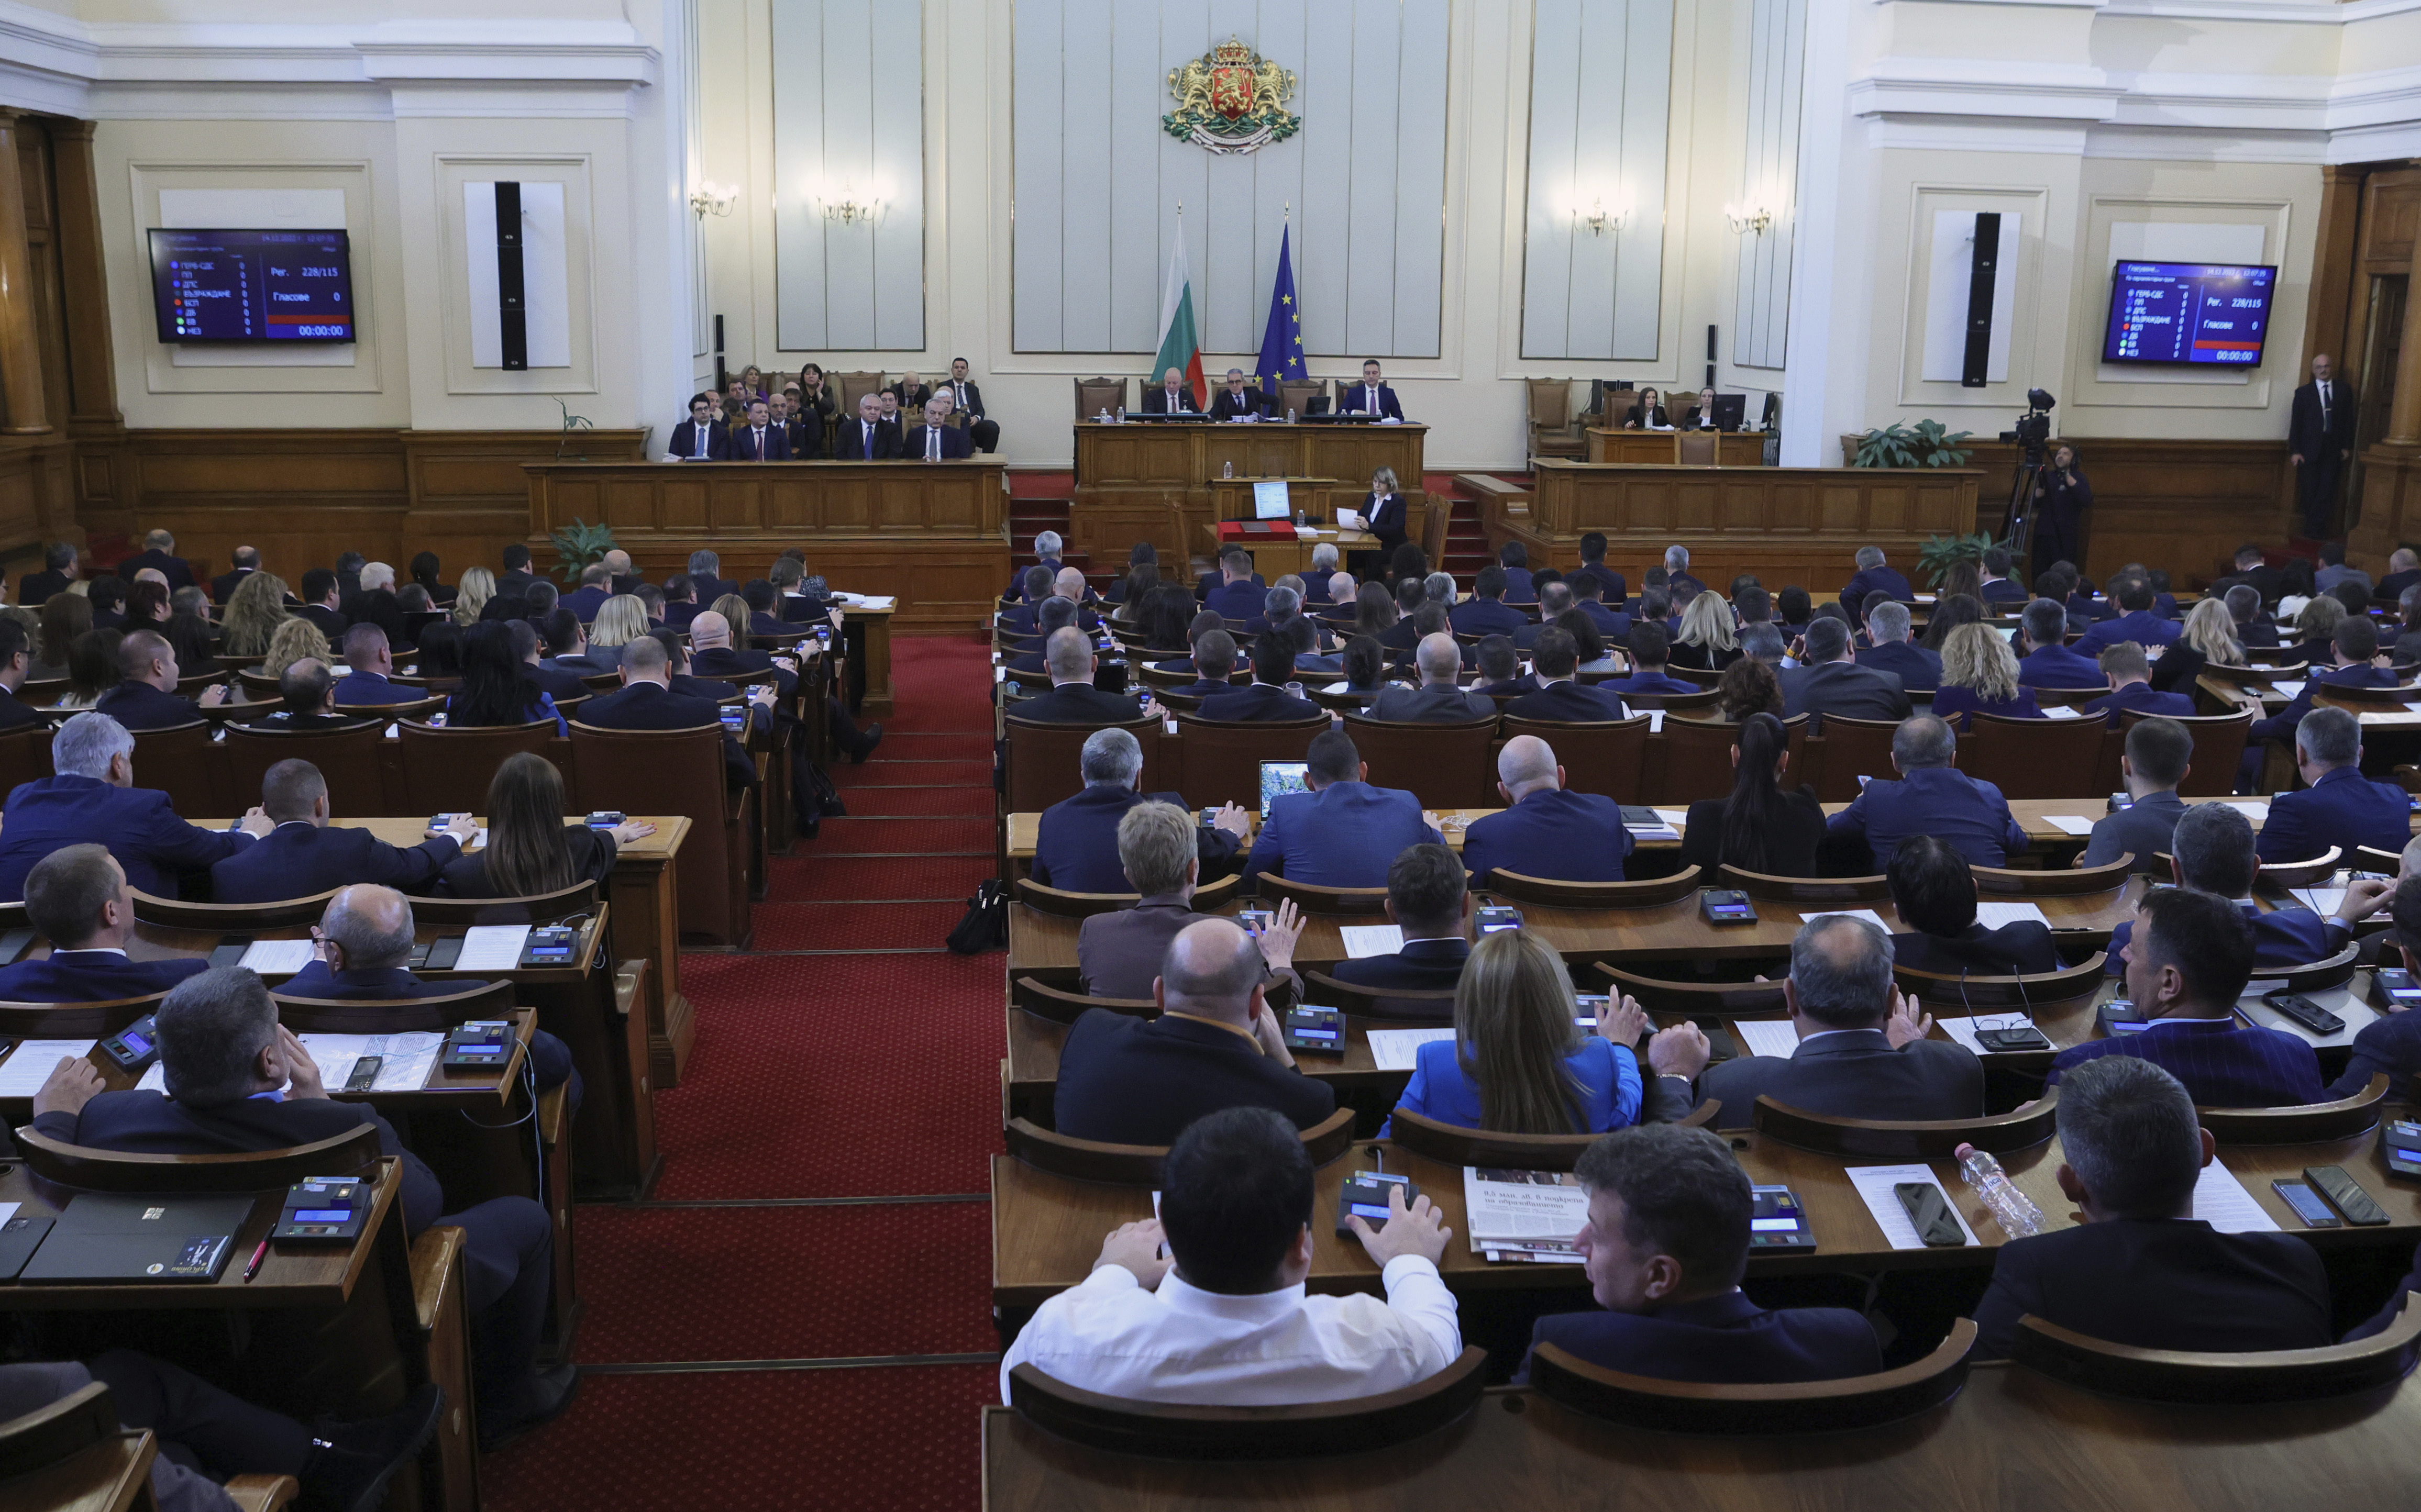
[1646, 893]
[1394, 1004]
[2317, 976]
[1212, 896]
[1905, 1139]
[64, 1021]
[2365, 858]
[580, 897]
[1805, 889]
[261, 1493]
[308, 1015]
[92, 1170]
[1795, 1406]
[1996, 994]
[56, 1431]
[1064, 904]
[1165, 1430]
[1707, 1001]
[2302, 873]
[1315, 899]
[1452, 1144]
[2232, 1380]
[2052, 881]
[1704, 1114]
[231, 918]
[2301, 1124]
[1061, 1006]
[1139, 1165]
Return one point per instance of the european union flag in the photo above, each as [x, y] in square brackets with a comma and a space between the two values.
[1281, 354]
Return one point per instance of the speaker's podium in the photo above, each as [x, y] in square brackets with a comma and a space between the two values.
[1259, 513]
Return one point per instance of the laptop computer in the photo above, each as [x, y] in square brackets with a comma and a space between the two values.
[1279, 778]
[105, 1237]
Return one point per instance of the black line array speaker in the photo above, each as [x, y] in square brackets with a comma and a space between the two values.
[1983, 266]
[512, 293]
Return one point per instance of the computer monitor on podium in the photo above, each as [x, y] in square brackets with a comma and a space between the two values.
[1730, 410]
[1270, 501]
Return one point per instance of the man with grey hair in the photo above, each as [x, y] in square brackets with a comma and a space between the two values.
[1438, 700]
[1131, 1081]
[2338, 805]
[1829, 682]
[1237, 399]
[1863, 1051]
[1764, 643]
[706, 579]
[159, 554]
[2211, 850]
[226, 1059]
[93, 798]
[2142, 1271]
[1438, 586]
[1047, 546]
[377, 575]
[1160, 845]
[1546, 828]
[1068, 655]
[305, 854]
[1889, 648]
[1341, 588]
[1676, 569]
[1932, 796]
[1076, 847]
[1873, 576]
[1317, 582]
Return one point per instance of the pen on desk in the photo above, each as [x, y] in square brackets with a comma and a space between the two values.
[253, 1269]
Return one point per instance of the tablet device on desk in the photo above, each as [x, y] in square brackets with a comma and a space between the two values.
[1279, 778]
[105, 1236]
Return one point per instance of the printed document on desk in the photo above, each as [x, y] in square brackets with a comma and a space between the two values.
[32, 1062]
[1875, 1184]
[1524, 1215]
[2221, 1201]
[1362, 940]
[1993, 915]
[406, 1059]
[491, 947]
[1394, 1049]
[1767, 1036]
[277, 957]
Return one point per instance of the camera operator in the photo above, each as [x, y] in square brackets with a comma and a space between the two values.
[2061, 497]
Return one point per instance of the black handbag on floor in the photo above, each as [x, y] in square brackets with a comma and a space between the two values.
[986, 923]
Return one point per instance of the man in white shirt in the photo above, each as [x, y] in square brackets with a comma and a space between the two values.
[1207, 1303]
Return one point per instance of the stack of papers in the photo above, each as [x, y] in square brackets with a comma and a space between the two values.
[491, 947]
[406, 1059]
[2288, 690]
[1994, 915]
[2069, 823]
[1363, 939]
[1395, 1049]
[31, 1064]
[2221, 1201]
[1767, 1036]
[1524, 1215]
[1963, 1030]
[278, 957]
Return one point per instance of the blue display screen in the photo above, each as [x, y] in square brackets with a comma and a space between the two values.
[252, 286]
[2196, 313]
[323, 1215]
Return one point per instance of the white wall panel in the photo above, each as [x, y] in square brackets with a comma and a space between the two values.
[1600, 95]
[1365, 178]
[1776, 40]
[848, 116]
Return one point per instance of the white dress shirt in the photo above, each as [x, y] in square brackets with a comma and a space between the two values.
[1182, 1344]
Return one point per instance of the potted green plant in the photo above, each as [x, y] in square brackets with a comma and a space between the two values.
[1938, 554]
[578, 544]
[1924, 444]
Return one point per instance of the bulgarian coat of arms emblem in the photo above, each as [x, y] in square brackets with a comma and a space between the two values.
[1231, 99]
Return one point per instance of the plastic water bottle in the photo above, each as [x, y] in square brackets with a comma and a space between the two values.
[2012, 1209]
[1227, 469]
[1289, 418]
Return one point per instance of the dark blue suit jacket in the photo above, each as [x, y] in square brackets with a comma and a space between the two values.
[2282, 938]
[1385, 518]
[1648, 682]
[1356, 400]
[1569, 701]
[1076, 845]
[550, 1057]
[1851, 1074]
[92, 977]
[369, 688]
[584, 602]
[684, 441]
[1421, 966]
[1726, 1340]
[1141, 1081]
[744, 445]
[2158, 1284]
[1867, 580]
[1916, 666]
[1241, 600]
[298, 859]
[644, 705]
[2392, 1045]
[135, 823]
[2140, 698]
[2281, 726]
[2056, 666]
[1257, 704]
[1941, 800]
[2343, 808]
[2005, 590]
[2142, 626]
[1569, 837]
[1343, 835]
[1486, 616]
[955, 444]
[139, 706]
[1518, 586]
[2223, 1064]
[2142, 830]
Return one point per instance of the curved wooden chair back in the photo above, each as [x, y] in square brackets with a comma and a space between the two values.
[1996, 994]
[1060, 903]
[1648, 892]
[192, 683]
[25, 756]
[679, 771]
[1043, 759]
[1801, 1407]
[231, 918]
[2318, 975]
[60, 1431]
[2245, 1380]
[1906, 1139]
[2062, 697]
[93, 1170]
[71, 1021]
[1853, 748]
[1456, 1145]
[535, 908]
[1705, 1002]
[1698, 756]
[1688, 705]
[1061, 1006]
[1447, 766]
[446, 770]
[2031, 758]
[348, 759]
[1605, 757]
[177, 761]
[1223, 759]
[1159, 1430]
[1397, 1005]
[2302, 873]
[2308, 1123]
[1139, 1165]
[2218, 746]
[2366, 858]
[1313, 898]
[1805, 889]
[2053, 881]
[2364, 699]
[388, 1016]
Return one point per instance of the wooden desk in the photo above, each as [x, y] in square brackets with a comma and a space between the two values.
[1273, 559]
[2010, 1439]
[1663, 448]
[871, 646]
[1153, 481]
[928, 534]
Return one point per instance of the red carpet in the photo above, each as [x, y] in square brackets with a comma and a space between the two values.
[848, 1055]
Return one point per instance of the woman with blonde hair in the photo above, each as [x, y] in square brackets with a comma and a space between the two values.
[297, 640]
[1517, 1063]
[2212, 630]
[1708, 642]
[620, 620]
[1980, 672]
[471, 594]
[253, 611]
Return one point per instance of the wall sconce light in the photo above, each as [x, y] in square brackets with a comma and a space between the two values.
[1750, 217]
[849, 209]
[710, 198]
[1599, 220]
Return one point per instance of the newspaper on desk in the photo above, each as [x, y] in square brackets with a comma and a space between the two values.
[406, 1059]
[1524, 1215]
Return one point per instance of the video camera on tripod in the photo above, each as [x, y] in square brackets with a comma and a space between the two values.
[2034, 427]
[2033, 433]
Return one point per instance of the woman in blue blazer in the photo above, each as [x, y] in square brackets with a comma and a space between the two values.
[1518, 1063]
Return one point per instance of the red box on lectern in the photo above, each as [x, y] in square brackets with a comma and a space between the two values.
[1249, 531]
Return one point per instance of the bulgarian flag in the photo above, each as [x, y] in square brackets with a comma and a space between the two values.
[1181, 337]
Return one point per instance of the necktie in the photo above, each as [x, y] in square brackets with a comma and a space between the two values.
[2324, 406]
[700, 438]
[932, 443]
[759, 433]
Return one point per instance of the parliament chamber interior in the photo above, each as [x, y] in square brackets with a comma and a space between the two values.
[1387, 754]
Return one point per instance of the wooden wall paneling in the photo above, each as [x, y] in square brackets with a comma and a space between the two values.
[2329, 315]
[92, 383]
[466, 496]
[21, 346]
[2391, 222]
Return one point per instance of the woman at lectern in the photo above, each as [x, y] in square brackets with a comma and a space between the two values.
[2061, 497]
[1383, 510]
[1649, 412]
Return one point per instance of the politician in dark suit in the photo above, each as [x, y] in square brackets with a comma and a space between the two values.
[2137, 623]
[2143, 1272]
[1215, 1045]
[700, 438]
[246, 560]
[1546, 829]
[1827, 681]
[1485, 612]
[16, 661]
[1073, 698]
[2045, 660]
[1266, 701]
[1383, 514]
[759, 440]
[1076, 844]
[225, 1057]
[2339, 806]
[59, 572]
[147, 698]
[1665, 1248]
[1343, 832]
[1564, 699]
[1889, 650]
[1159, 853]
[1239, 594]
[1428, 902]
[305, 854]
[936, 440]
[1935, 896]
[93, 799]
[79, 898]
[2319, 442]
[1438, 700]
[647, 701]
[2187, 960]
[1238, 399]
[2353, 645]
[1862, 1048]
[2156, 759]
[1369, 397]
[1932, 796]
[159, 551]
[1172, 395]
[1873, 576]
[864, 438]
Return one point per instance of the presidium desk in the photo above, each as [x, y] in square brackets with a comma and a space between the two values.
[1151, 480]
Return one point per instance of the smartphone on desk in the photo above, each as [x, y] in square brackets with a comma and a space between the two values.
[2306, 1204]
